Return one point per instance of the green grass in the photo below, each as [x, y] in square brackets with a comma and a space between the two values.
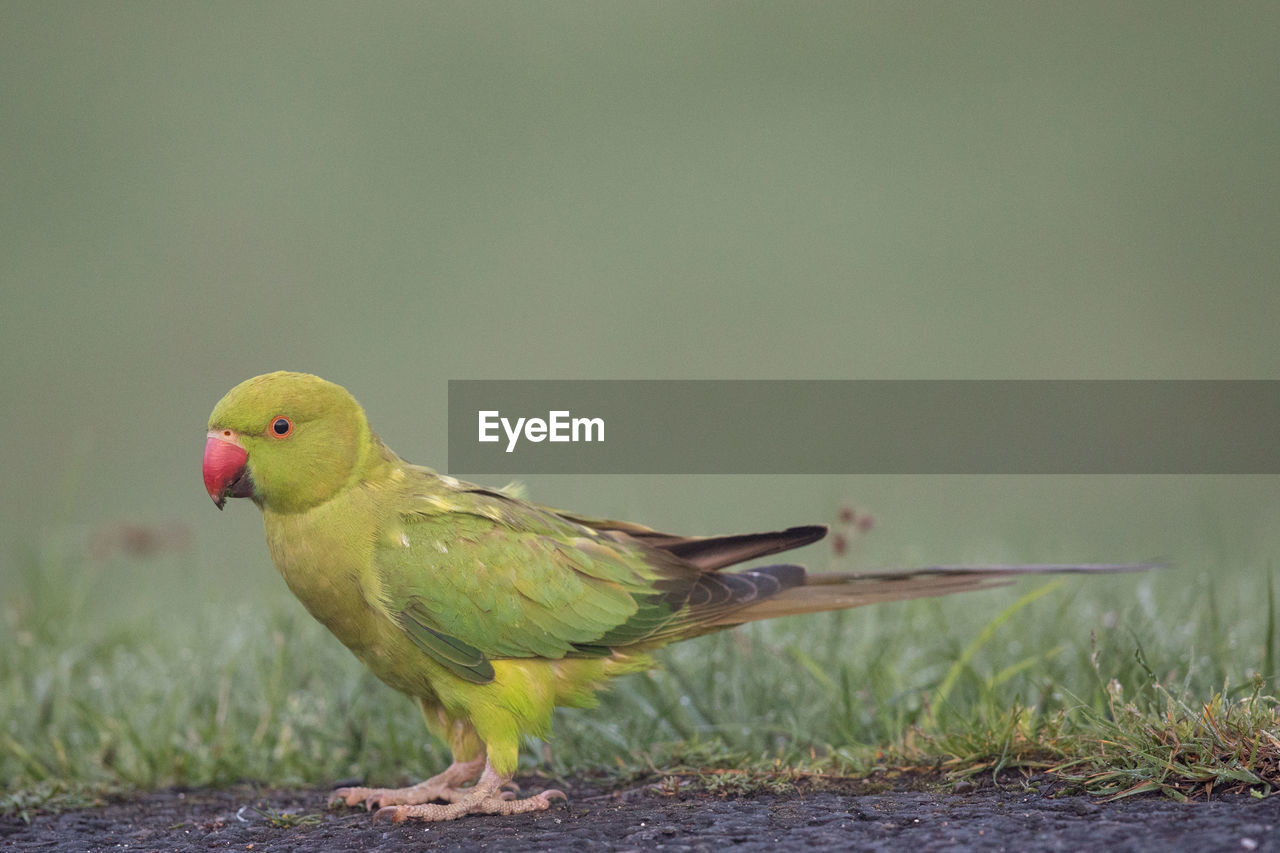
[1161, 682]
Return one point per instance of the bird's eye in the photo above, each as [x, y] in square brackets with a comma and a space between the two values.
[281, 427]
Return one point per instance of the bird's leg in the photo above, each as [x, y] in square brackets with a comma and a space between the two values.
[487, 797]
[446, 786]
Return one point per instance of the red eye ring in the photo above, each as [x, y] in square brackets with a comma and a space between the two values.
[281, 427]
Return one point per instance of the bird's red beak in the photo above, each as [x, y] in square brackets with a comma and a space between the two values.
[225, 474]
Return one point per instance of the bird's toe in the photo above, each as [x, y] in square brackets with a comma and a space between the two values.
[347, 796]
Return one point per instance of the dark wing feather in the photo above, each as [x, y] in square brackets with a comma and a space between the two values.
[709, 553]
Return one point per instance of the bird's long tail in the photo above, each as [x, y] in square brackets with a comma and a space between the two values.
[801, 592]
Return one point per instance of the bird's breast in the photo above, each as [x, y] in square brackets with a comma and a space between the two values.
[327, 566]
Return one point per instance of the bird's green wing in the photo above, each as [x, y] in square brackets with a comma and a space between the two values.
[472, 575]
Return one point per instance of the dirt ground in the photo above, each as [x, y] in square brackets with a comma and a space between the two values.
[843, 816]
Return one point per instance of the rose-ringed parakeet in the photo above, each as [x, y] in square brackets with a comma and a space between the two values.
[487, 609]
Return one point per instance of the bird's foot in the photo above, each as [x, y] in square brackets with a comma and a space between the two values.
[477, 802]
[446, 786]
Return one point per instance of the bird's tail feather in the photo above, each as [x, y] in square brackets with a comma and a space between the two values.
[842, 590]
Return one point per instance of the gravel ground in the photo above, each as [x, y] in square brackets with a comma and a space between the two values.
[240, 818]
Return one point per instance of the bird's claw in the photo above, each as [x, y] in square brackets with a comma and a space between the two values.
[391, 813]
[496, 803]
[492, 794]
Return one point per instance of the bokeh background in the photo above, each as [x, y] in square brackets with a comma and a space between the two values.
[395, 194]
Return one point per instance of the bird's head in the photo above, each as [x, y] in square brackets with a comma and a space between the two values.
[290, 441]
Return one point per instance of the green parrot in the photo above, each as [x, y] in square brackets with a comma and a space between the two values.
[485, 608]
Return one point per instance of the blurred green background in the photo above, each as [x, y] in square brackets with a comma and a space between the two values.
[395, 194]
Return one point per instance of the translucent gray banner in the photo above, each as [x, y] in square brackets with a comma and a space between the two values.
[864, 427]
